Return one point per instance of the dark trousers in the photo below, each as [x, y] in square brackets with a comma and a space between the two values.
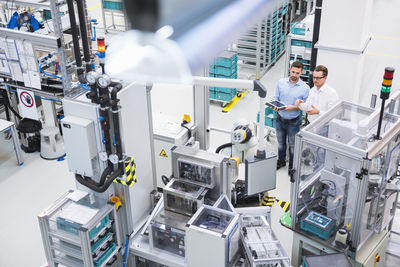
[286, 129]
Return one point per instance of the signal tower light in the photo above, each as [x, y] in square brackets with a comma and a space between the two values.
[387, 82]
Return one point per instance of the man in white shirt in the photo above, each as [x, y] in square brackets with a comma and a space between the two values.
[321, 98]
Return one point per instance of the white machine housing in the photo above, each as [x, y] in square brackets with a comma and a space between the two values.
[215, 244]
[167, 134]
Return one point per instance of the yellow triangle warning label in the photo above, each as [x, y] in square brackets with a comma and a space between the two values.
[163, 154]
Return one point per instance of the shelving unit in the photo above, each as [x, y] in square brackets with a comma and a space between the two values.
[115, 10]
[51, 37]
[300, 46]
[80, 232]
[224, 66]
[262, 45]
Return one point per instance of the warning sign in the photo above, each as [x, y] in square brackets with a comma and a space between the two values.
[26, 99]
[163, 154]
[27, 104]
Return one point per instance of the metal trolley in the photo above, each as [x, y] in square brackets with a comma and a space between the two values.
[80, 230]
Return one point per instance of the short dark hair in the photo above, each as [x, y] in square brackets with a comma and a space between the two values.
[323, 69]
[297, 64]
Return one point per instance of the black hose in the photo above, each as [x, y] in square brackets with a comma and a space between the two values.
[107, 171]
[105, 127]
[102, 188]
[94, 94]
[104, 175]
[4, 100]
[104, 101]
[75, 36]
[222, 147]
[84, 34]
[114, 108]
[11, 108]
[189, 132]
[164, 179]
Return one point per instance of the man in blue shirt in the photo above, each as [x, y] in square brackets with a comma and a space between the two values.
[288, 90]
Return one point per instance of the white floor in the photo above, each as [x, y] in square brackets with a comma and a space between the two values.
[28, 189]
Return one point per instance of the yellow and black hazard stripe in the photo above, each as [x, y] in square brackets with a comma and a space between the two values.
[130, 173]
[268, 201]
[284, 205]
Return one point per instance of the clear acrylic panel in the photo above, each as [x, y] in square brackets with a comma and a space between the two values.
[327, 190]
[213, 220]
[195, 172]
[352, 125]
[181, 204]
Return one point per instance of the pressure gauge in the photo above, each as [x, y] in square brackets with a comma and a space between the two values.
[91, 77]
[104, 81]
[113, 158]
[103, 156]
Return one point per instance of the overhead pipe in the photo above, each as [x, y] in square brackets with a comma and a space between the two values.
[114, 108]
[75, 40]
[84, 34]
[105, 103]
[104, 100]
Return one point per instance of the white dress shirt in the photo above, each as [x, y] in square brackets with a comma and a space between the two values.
[323, 99]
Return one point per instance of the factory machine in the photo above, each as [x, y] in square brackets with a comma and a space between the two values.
[346, 184]
[110, 150]
[115, 216]
[113, 207]
[196, 218]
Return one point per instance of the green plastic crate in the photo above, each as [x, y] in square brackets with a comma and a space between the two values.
[226, 97]
[223, 70]
[107, 254]
[73, 228]
[112, 5]
[226, 59]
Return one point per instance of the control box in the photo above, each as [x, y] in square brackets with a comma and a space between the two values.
[319, 225]
[80, 144]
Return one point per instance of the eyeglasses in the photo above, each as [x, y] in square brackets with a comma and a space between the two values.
[318, 78]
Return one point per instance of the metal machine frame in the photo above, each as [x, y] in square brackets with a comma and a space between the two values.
[359, 242]
[191, 200]
[55, 42]
[62, 247]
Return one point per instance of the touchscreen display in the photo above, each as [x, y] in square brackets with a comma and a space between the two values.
[277, 104]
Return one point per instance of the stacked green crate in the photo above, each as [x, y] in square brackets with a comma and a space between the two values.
[112, 5]
[270, 117]
[301, 44]
[276, 34]
[224, 66]
[272, 43]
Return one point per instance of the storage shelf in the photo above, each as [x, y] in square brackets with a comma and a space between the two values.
[272, 36]
[68, 249]
[65, 237]
[68, 261]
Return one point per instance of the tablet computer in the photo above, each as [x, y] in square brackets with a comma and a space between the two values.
[276, 104]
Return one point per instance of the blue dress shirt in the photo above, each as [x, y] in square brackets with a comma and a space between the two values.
[288, 93]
